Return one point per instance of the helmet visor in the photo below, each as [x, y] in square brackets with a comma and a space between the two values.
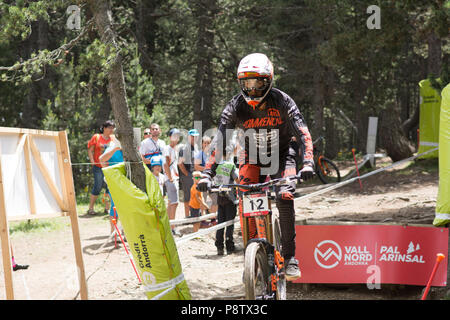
[254, 87]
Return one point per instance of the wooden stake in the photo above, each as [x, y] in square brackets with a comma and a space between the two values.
[46, 175]
[61, 173]
[72, 209]
[4, 235]
[26, 152]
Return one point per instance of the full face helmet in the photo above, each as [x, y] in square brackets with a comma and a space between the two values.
[255, 76]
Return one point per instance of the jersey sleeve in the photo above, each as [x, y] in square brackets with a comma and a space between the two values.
[220, 141]
[300, 130]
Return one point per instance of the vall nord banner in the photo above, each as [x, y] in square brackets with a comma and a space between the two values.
[371, 254]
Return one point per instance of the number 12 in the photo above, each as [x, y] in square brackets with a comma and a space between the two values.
[259, 204]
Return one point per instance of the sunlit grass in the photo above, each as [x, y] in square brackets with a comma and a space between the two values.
[37, 225]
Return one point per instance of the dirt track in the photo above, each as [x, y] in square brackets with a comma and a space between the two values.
[399, 195]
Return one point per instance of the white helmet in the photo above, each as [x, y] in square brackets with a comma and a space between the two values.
[255, 73]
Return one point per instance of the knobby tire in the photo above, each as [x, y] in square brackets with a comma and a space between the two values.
[256, 272]
[332, 167]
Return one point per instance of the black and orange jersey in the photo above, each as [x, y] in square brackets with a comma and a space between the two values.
[266, 130]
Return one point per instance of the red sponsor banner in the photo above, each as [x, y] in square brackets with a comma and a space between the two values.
[371, 254]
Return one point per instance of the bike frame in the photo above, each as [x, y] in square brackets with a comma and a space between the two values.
[323, 167]
[263, 223]
[264, 228]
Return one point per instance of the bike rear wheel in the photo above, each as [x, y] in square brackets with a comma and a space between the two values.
[281, 282]
[327, 171]
[256, 272]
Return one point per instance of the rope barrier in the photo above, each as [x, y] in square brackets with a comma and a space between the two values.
[343, 183]
[206, 231]
[193, 220]
[95, 163]
[103, 262]
[309, 195]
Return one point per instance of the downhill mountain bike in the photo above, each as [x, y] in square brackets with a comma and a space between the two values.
[326, 170]
[264, 269]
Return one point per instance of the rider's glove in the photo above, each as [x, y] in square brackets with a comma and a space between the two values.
[205, 183]
[306, 173]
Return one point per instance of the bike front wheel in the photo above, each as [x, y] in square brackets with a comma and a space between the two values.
[256, 272]
[327, 171]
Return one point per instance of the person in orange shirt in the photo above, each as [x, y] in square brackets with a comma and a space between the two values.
[196, 201]
[96, 146]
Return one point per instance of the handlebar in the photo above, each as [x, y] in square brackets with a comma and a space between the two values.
[256, 186]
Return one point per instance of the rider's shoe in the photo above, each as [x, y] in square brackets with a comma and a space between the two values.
[292, 269]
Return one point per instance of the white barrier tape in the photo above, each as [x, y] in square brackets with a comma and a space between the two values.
[443, 216]
[193, 220]
[168, 285]
[206, 231]
[159, 295]
[429, 144]
[343, 183]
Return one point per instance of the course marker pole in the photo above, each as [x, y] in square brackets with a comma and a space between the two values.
[439, 258]
[115, 236]
[128, 254]
[357, 170]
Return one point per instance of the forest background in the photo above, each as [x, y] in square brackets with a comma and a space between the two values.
[341, 62]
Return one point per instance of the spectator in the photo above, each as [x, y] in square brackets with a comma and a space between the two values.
[196, 201]
[202, 155]
[112, 155]
[186, 166]
[172, 177]
[226, 173]
[147, 133]
[96, 146]
[156, 166]
[151, 146]
[199, 165]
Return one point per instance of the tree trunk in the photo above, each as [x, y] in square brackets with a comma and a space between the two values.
[204, 11]
[318, 101]
[104, 111]
[392, 138]
[413, 121]
[117, 92]
[434, 55]
[31, 114]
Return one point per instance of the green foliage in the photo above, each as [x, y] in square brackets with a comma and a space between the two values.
[364, 71]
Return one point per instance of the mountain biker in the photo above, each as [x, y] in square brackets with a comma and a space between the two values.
[271, 118]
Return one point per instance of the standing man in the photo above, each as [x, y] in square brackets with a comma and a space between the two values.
[186, 166]
[152, 145]
[226, 173]
[172, 176]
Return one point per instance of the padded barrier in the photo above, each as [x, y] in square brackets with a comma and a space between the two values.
[146, 226]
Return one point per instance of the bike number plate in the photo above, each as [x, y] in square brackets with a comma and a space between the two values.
[255, 204]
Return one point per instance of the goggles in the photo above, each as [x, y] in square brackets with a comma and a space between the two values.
[259, 84]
